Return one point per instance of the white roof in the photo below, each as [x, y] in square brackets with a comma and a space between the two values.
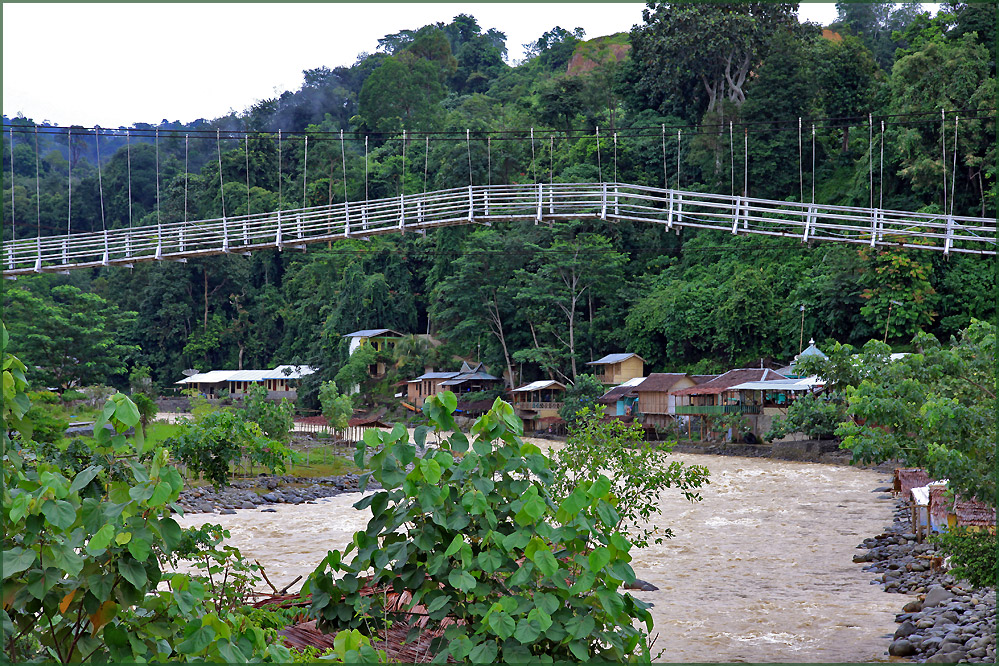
[632, 382]
[217, 376]
[921, 495]
[539, 385]
[780, 385]
[210, 377]
[289, 372]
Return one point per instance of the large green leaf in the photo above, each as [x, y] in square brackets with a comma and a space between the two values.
[484, 653]
[101, 540]
[598, 558]
[461, 580]
[197, 641]
[84, 477]
[133, 572]
[502, 624]
[527, 631]
[59, 513]
[16, 560]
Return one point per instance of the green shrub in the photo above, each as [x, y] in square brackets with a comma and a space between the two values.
[973, 555]
[815, 416]
[44, 397]
[49, 427]
[275, 419]
[641, 471]
[473, 532]
[84, 554]
[69, 395]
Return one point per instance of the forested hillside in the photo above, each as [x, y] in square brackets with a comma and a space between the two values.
[734, 79]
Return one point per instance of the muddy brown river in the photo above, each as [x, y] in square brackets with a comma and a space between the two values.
[761, 570]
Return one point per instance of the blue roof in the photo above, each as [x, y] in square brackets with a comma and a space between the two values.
[614, 358]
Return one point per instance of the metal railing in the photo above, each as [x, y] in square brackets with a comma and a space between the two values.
[484, 204]
[717, 409]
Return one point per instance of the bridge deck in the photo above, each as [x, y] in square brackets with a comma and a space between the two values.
[483, 204]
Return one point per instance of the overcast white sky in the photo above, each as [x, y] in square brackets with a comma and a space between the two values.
[117, 64]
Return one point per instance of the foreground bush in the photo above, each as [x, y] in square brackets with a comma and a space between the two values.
[974, 555]
[474, 534]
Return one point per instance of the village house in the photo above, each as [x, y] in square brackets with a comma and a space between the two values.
[621, 399]
[538, 400]
[383, 340]
[615, 369]
[280, 382]
[655, 405]
[466, 380]
[718, 397]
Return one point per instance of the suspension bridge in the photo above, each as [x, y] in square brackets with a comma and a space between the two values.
[540, 202]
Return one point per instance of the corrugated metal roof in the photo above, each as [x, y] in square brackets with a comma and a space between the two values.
[249, 376]
[210, 377]
[540, 385]
[806, 384]
[614, 358]
[436, 375]
[293, 372]
[372, 332]
[726, 381]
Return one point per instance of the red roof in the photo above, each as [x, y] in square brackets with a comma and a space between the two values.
[724, 382]
[907, 478]
[660, 382]
[973, 512]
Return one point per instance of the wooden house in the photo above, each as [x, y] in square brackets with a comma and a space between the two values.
[655, 404]
[466, 380]
[538, 400]
[620, 400]
[381, 339]
[718, 396]
[615, 369]
[280, 382]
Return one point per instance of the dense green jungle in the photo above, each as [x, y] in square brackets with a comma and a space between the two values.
[541, 300]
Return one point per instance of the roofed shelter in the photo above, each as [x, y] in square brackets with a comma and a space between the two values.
[537, 400]
[655, 403]
[616, 369]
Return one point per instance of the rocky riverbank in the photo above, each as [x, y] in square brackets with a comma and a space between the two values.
[264, 492]
[943, 620]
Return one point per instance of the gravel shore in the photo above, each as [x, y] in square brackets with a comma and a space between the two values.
[943, 620]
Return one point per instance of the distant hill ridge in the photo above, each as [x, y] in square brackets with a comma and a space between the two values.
[594, 53]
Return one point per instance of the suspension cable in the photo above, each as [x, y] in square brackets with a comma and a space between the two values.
[158, 175]
[615, 157]
[13, 219]
[187, 174]
[678, 133]
[489, 160]
[745, 174]
[943, 146]
[128, 162]
[468, 149]
[813, 163]
[953, 175]
[305, 174]
[69, 183]
[365, 168]
[870, 154]
[246, 155]
[402, 185]
[801, 172]
[534, 165]
[600, 166]
[343, 162]
[218, 145]
[100, 178]
[426, 164]
[551, 160]
[731, 159]
[881, 174]
[280, 176]
[665, 177]
[38, 191]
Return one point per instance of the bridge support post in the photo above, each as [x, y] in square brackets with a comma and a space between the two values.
[485, 201]
[65, 253]
[38, 254]
[278, 241]
[104, 261]
[735, 215]
[874, 227]
[809, 219]
[180, 239]
[617, 200]
[471, 204]
[541, 198]
[949, 241]
[298, 219]
[603, 201]
[225, 236]
[402, 213]
[669, 218]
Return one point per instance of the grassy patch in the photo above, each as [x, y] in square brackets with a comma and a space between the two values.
[158, 432]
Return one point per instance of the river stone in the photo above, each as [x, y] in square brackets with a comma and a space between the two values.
[247, 505]
[227, 512]
[936, 596]
[639, 584]
[913, 606]
[946, 657]
[905, 630]
[901, 648]
[271, 497]
[268, 511]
